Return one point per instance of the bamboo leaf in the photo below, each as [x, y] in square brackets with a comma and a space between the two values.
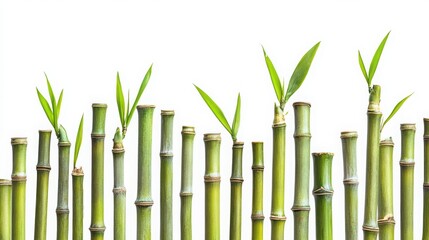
[215, 109]
[60, 100]
[300, 72]
[53, 104]
[128, 106]
[46, 108]
[78, 142]
[395, 109]
[376, 58]
[139, 94]
[236, 121]
[120, 99]
[278, 88]
[363, 69]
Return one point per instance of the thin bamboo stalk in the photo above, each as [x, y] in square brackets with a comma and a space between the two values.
[407, 180]
[258, 191]
[144, 200]
[212, 186]
[119, 190]
[425, 235]
[236, 191]
[188, 134]
[386, 220]
[77, 181]
[97, 227]
[301, 205]
[5, 209]
[43, 168]
[351, 184]
[63, 186]
[370, 226]
[19, 179]
[323, 193]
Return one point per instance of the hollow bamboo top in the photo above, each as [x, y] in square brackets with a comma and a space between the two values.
[301, 104]
[5, 182]
[45, 131]
[188, 130]
[316, 154]
[145, 106]
[18, 140]
[349, 134]
[99, 105]
[77, 172]
[408, 126]
[167, 112]
[387, 142]
[212, 137]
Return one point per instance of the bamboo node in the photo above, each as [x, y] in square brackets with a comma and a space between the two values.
[188, 130]
[62, 211]
[97, 229]
[212, 137]
[351, 181]
[5, 182]
[367, 228]
[143, 203]
[64, 144]
[388, 219]
[426, 186]
[300, 208]
[236, 180]
[302, 135]
[209, 179]
[238, 145]
[119, 190]
[118, 149]
[425, 137]
[322, 191]
[279, 125]
[258, 167]
[46, 168]
[277, 218]
[257, 216]
[166, 154]
[186, 194]
[98, 135]
[406, 163]
[19, 178]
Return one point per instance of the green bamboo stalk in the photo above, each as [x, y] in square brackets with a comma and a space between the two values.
[301, 205]
[144, 200]
[19, 179]
[370, 226]
[77, 178]
[97, 227]
[323, 193]
[119, 190]
[212, 186]
[188, 134]
[258, 191]
[425, 235]
[407, 180]
[43, 168]
[386, 220]
[5, 209]
[351, 184]
[236, 191]
[63, 185]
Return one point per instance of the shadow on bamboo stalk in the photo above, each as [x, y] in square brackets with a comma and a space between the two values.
[426, 180]
[19, 180]
[258, 191]
[5, 209]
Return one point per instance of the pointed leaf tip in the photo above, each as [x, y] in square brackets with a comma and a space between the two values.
[236, 121]
[395, 110]
[376, 58]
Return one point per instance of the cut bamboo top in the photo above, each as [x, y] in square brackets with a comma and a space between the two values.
[5, 182]
[18, 140]
[387, 142]
[349, 134]
[45, 131]
[77, 172]
[212, 137]
[301, 104]
[167, 112]
[188, 130]
[145, 106]
[408, 126]
[238, 145]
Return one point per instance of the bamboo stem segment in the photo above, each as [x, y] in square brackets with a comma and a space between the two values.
[5, 209]
[77, 180]
[119, 190]
[63, 188]
[425, 235]
[258, 191]
[236, 191]
[19, 179]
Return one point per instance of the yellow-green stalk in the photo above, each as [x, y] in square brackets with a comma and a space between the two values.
[119, 190]
[425, 235]
[19, 179]
[407, 180]
[63, 185]
[144, 200]
[236, 191]
[43, 168]
[258, 191]
[302, 135]
[351, 183]
[5, 209]
[77, 182]
[188, 134]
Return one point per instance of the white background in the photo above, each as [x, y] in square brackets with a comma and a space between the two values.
[81, 45]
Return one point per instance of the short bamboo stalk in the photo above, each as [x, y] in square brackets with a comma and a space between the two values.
[144, 200]
[301, 205]
[236, 191]
[386, 220]
[19, 179]
[351, 183]
[97, 227]
[425, 235]
[258, 191]
[119, 190]
[212, 186]
[407, 180]
[188, 134]
[43, 168]
[63, 187]
[323, 193]
[5, 209]
[77, 219]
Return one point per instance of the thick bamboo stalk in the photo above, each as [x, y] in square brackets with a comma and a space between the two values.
[97, 227]
[370, 226]
[188, 134]
[63, 186]
[258, 191]
[43, 168]
[166, 155]
[212, 186]
[407, 180]
[386, 220]
[323, 193]
[19, 179]
[236, 191]
[144, 200]
[77, 182]
[119, 190]
[351, 184]
[5, 209]
[301, 204]
[278, 217]
[425, 235]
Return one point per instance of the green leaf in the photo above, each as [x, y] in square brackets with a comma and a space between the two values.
[236, 121]
[78, 141]
[215, 109]
[46, 108]
[53, 104]
[128, 106]
[120, 99]
[363, 69]
[376, 58]
[278, 88]
[300, 72]
[139, 94]
[395, 109]
[60, 100]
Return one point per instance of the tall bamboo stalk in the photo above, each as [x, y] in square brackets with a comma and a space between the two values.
[426, 180]
[188, 134]
[144, 200]
[43, 168]
[19, 179]
[386, 220]
[212, 186]
[63, 186]
[119, 190]
[407, 180]
[77, 182]
[370, 226]
[258, 191]
[301, 205]
[97, 227]
[351, 184]
[323, 193]
[236, 191]
[5, 209]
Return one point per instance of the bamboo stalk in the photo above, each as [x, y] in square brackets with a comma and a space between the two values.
[212, 186]
[77, 178]
[144, 200]
[43, 168]
[370, 226]
[386, 220]
[351, 184]
[97, 227]
[407, 180]
[258, 191]
[63, 186]
[301, 205]
[119, 190]
[323, 193]
[5, 209]
[19, 179]
[236, 191]
[425, 235]
[188, 134]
